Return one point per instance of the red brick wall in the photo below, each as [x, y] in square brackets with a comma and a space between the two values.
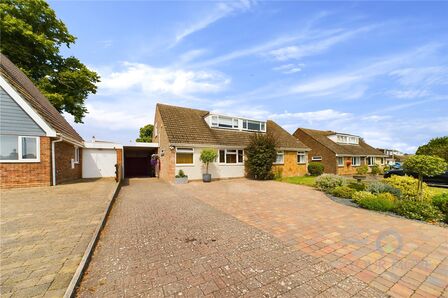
[317, 149]
[64, 171]
[167, 156]
[28, 174]
[120, 162]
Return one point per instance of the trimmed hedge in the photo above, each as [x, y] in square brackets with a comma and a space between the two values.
[343, 192]
[315, 168]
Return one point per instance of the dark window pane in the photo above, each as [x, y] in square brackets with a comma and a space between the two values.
[253, 125]
[240, 156]
[231, 158]
[222, 157]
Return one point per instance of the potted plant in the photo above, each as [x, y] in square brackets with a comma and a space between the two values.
[181, 178]
[348, 163]
[207, 156]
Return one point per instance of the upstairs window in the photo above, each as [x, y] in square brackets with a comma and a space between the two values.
[254, 125]
[224, 122]
[347, 139]
[19, 149]
[184, 156]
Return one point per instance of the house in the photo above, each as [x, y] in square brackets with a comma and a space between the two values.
[38, 147]
[340, 153]
[182, 133]
[392, 155]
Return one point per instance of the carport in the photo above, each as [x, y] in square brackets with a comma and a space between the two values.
[137, 159]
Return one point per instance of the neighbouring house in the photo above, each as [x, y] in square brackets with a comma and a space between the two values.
[38, 147]
[182, 134]
[392, 155]
[340, 153]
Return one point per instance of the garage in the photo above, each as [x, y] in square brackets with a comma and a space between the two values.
[99, 159]
[137, 160]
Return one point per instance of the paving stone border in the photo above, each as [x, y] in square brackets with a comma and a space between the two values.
[76, 279]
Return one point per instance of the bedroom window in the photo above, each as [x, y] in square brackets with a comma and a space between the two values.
[340, 161]
[230, 156]
[356, 161]
[184, 156]
[301, 157]
[19, 149]
[280, 158]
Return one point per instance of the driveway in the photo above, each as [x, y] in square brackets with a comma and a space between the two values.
[44, 233]
[162, 241]
[398, 256]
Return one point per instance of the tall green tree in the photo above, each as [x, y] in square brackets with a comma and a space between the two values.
[435, 147]
[31, 37]
[145, 134]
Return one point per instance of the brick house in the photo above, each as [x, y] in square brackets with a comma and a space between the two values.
[340, 153]
[38, 147]
[182, 134]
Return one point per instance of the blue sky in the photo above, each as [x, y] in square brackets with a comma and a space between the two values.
[375, 69]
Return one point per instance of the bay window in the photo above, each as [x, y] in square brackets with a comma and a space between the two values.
[301, 157]
[184, 156]
[279, 159]
[230, 156]
[19, 148]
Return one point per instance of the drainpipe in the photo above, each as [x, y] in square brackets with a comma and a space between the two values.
[53, 159]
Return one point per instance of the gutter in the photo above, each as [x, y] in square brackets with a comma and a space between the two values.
[53, 159]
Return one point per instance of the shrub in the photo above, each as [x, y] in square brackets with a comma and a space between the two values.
[375, 170]
[422, 210]
[441, 202]
[181, 174]
[379, 187]
[315, 168]
[327, 182]
[357, 186]
[261, 154]
[343, 192]
[380, 202]
[407, 186]
[362, 195]
[362, 170]
[278, 173]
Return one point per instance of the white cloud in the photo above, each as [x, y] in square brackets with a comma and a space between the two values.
[430, 75]
[289, 68]
[325, 85]
[316, 116]
[409, 93]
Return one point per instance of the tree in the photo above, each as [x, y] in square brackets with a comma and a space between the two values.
[31, 37]
[145, 134]
[435, 147]
[261, 154]
[208, 156]
[424, 165]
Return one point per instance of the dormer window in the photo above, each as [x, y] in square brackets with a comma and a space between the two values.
[218, 121]
[224, 121]
[344, 139]
[254, 125]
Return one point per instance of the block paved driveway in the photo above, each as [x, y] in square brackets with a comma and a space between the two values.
[160, 241]
[44, 232]
[398, 256]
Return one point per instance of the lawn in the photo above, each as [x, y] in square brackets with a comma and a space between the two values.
[302, 180]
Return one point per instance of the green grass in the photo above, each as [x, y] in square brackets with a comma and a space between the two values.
[302, 180]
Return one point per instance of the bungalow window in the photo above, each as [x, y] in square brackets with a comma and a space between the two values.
[231, 156]
[340, 161]
[301, 157]
[19, 149]
[316, 158]
[76, 154]
[184, 156]
[371, 161]
[356, 161]
[279, 159]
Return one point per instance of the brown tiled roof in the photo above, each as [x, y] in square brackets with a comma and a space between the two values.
[188, 126]
[36, 99]
[344, 149]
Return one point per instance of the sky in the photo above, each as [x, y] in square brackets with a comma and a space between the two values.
[374, 69]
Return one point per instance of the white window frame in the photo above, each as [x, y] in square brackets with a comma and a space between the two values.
[184, 150]
[337, 161]
[371, 158]
[282, 154]
[19, 151]
[261, 125]
[76, 159]
[316, 158]
[301, 153]
[356, 158]
[231, 153]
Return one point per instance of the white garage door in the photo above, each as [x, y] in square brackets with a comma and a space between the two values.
[98, 163]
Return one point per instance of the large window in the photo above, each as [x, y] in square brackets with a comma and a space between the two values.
[19, 149]
[254, 125]
[356, 161]
[347, 139]
[280, 158]
[231, 156]
[371, 161]
[340, 161]
[184, 156]
[224, 122]
[301, 157]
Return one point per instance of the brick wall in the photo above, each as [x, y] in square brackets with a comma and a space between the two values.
[347, 169]
[28, 174]
[64, 172]
[290, 166]
[120, 162]
[317, 149]
[167, 155]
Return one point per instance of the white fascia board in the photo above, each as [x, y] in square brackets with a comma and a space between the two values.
[49, 131]
[99, 145]
[144, 145]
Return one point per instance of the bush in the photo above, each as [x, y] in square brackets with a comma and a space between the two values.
[362, 195]
[379, 187]
[407, 186]
[375, 170]
[181, 174]
[357, 186]
[380, 202]
[362, 170]
[343, 192]
[315, 168]
[327, 182]
[422, 210]
[261, 154]
[441, 202]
